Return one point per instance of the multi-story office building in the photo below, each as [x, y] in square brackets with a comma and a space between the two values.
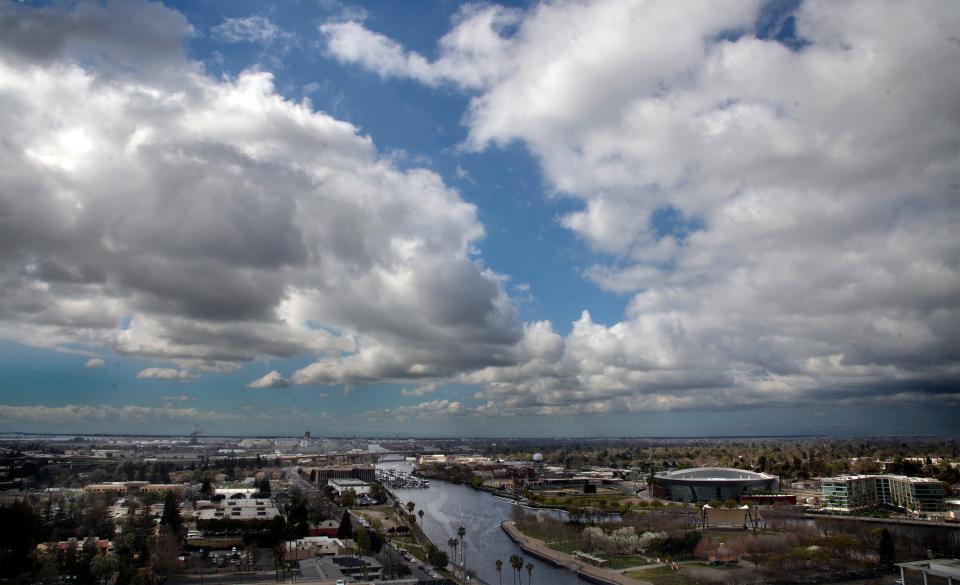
[849, 493]
[362, 472]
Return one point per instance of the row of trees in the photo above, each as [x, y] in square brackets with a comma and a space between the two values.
[620, 541]
[517, 566]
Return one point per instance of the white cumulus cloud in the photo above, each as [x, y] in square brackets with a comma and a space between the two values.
[251, 29]
[783, 217]
[165, 374]
[270, 380]
[95, 363]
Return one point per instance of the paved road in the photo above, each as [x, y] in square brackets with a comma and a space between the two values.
[537, 547]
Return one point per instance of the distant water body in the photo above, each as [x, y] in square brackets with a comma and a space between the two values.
[448, 506]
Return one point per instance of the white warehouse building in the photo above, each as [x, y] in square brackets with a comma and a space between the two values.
[359, 487]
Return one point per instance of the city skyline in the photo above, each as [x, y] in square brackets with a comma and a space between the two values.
[499, 219]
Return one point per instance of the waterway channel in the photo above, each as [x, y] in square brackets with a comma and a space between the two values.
[448, 506]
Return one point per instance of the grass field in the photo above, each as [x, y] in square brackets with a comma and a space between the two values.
[411, 545]
[661, 576]
[622, 562]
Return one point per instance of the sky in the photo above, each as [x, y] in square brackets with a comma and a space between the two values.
[609, 218]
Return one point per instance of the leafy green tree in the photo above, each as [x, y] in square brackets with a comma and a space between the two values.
[263, 487]
[378, 493]
[277, 530]
[436, 557]
[102, 567]
[346, 526]
[163, 553]
[171, 514]
[348, 498]
[18, 538]
[886, 550]
[298, 524]
[362, 537]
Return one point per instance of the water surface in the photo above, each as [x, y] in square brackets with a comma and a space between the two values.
[448, 506]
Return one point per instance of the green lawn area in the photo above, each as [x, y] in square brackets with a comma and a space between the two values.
[661, 576]
[623, 562]
[411, 545]
[569, 543]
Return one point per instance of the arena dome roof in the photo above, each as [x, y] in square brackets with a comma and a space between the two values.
[714, 474]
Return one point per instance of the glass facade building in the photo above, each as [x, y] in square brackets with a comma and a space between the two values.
[849, 493]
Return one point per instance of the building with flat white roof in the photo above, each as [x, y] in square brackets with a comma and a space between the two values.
[240, 509]
[312, 546]
[359, 487]
[849, 493]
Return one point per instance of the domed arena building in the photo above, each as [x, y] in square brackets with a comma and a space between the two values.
[703, 484]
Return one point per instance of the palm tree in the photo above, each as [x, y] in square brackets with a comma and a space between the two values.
[516, 563]
[461, 532]
[529, 573]
[499, 569]
[420, 513]
[454, 543]
[411, 506]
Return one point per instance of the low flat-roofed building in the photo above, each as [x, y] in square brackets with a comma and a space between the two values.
[133, 487]
[349, 568]
[240, 509]
[930, 572]
[312, 546]
[341, 485]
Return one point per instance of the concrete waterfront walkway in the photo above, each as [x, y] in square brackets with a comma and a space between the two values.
[539, 549]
